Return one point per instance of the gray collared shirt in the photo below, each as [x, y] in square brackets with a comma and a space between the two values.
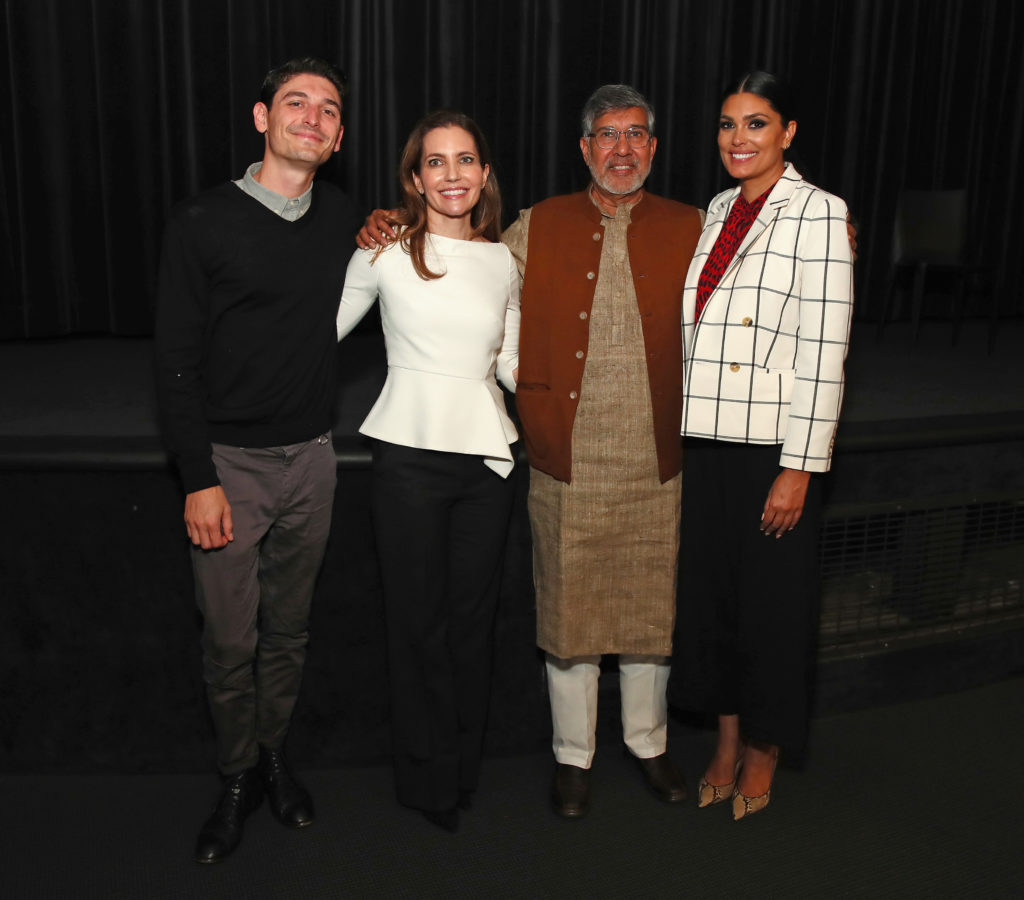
[290, 208]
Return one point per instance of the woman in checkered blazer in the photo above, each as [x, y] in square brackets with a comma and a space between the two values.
[766, 322]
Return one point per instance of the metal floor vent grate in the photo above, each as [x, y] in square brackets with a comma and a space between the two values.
[896, 574]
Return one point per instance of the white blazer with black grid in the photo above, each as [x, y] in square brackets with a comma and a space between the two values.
[765, 363]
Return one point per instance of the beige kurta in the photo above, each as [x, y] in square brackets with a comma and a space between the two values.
[605, 546]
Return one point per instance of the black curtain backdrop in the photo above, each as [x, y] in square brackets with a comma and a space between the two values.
[116, 109]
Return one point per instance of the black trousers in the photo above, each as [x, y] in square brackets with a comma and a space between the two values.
[440, 520]
[748, 603]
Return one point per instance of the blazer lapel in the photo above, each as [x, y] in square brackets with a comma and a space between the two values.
[773, 205]
[716, 219]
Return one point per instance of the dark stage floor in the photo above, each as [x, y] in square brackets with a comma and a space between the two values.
[910, 800]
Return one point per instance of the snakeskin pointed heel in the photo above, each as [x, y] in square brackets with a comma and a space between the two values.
[709, 794]
[743, 806]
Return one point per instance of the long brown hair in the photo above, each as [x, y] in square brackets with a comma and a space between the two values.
[486, 215]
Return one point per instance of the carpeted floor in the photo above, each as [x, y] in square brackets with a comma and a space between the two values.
[910, 800]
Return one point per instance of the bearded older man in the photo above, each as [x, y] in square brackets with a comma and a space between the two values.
[600, 396]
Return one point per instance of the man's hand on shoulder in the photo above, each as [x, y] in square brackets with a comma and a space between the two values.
[208, 518]
[377, 231]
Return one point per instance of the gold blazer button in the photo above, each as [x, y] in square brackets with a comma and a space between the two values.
[734, 367]
[747, 322]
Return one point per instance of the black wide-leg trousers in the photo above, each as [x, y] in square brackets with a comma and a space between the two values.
[748, 603]
[440, 521]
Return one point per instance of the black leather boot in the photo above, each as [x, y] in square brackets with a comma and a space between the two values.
[289, 801]
[222, 832]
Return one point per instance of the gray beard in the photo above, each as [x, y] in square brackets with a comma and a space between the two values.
[637, 182]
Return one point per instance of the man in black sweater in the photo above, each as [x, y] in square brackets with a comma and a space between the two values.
[250, 278]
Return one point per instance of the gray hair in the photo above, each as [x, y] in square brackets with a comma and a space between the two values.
[610, 97]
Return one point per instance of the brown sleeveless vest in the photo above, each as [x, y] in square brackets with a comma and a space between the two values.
[563, 256]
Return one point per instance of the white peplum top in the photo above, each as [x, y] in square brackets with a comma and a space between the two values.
[446, 339]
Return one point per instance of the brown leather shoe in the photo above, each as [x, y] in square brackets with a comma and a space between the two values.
[570, 791]
[663, 778]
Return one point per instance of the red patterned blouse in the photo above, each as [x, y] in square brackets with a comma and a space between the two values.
[741, 217]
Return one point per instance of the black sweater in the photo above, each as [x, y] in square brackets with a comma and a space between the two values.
[245, 335]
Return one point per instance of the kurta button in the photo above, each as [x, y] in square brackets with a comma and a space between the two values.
[583, 314]
[747, 321]
[591, 276]
[573, 395]
[734, 367]
[597, 235]
[579, 354]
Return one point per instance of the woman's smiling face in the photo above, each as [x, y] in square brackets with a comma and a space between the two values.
[751, 140]
[450, 176]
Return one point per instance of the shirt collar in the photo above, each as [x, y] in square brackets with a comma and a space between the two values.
[629, 206]
[750, 210]
[290, 208]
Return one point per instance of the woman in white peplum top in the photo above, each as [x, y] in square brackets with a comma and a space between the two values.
[442, 453]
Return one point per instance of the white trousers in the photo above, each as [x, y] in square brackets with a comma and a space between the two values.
[572, 688]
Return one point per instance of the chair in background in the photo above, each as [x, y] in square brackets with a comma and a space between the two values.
[930, 234]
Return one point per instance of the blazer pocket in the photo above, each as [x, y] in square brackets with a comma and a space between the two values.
[734, 382]
[773, 386]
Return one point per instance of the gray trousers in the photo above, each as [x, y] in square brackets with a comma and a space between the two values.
[255, 593]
